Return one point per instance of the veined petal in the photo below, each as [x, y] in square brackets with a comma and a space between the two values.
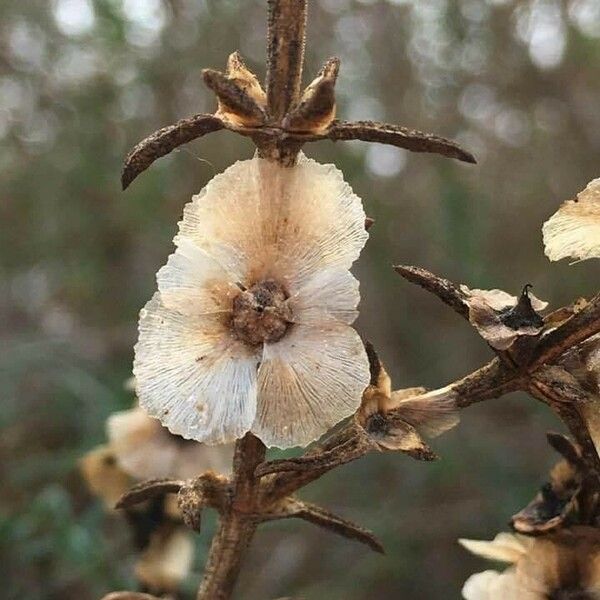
[309, 381]
[193, 282]
[316, 220]
[574, 230]
[146, 450]
[193, 375]
[331, 293]
[260, 220]
[226, 219]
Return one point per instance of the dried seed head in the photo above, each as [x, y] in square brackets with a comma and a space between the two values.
[260, 314]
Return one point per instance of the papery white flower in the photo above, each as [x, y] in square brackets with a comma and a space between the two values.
[250, 327]
[574, 230]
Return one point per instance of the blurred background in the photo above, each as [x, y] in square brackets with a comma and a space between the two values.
[82, 81]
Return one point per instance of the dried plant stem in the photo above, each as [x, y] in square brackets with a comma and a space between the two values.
[237, 523]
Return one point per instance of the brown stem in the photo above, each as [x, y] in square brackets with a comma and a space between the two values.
[237, 523]
[286, 40]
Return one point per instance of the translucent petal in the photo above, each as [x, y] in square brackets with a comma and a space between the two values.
[259, 219]
[478, 586]
[574, 230]
[331, 293]
[505, 547]
[193, 376]
[193, 282]
[309, 381]
[147, 450]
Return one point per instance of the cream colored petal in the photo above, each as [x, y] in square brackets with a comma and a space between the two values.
[260, 220]
[505, 547]
[104, 476]
[491, 585]
[478, 586]
[574, 230]
[167, 561]
[193, 375]
[316, 220]
[226, 219]
[430, 413]
[193, 282]
[331, 293]
[309, 381]
[147, 450]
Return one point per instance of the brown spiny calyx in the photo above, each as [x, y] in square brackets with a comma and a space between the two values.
[316, 109]
[260, 313]
[242, 101]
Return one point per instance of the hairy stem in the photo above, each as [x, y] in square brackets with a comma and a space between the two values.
[237, 523]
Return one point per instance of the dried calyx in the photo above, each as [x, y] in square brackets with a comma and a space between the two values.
[260, 314]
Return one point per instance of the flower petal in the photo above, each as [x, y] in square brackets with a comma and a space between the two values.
[574, 230]
[505, 547]
[260, 220]
[331, 293]
[193, 375]
[146, 450]
[193, 282]
[309, 381]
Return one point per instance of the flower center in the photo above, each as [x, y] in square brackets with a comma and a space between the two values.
[260, 313]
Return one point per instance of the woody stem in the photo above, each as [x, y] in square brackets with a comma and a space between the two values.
[236, 523]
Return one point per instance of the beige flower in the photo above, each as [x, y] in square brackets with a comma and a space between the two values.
[395, 420]
[559, 565]
[147, 450]
[574, 230]
[583, 362]
[250, 327]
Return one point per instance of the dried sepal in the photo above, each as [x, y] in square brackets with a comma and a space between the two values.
[290, 507]
[208, 490]
[554, 506]
[316, 109]
[501, 318]
[574, 230]
[147, 490]
[394, 135]
[241, 99]
[165, 140]
[396, 420]
[444, 289]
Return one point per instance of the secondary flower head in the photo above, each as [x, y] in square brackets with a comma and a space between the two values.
[574, 230]
[146, 450]
[250, 327]
[559, 565]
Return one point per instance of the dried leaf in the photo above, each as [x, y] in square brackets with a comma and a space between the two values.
[165, 140]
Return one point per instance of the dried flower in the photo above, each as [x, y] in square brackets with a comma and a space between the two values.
[395, 420]
[104, 476]
[565, 564]
[501, 318]
[147, 450]
[583, 363]
[249, 329]
[574, 230]
[167, 560]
